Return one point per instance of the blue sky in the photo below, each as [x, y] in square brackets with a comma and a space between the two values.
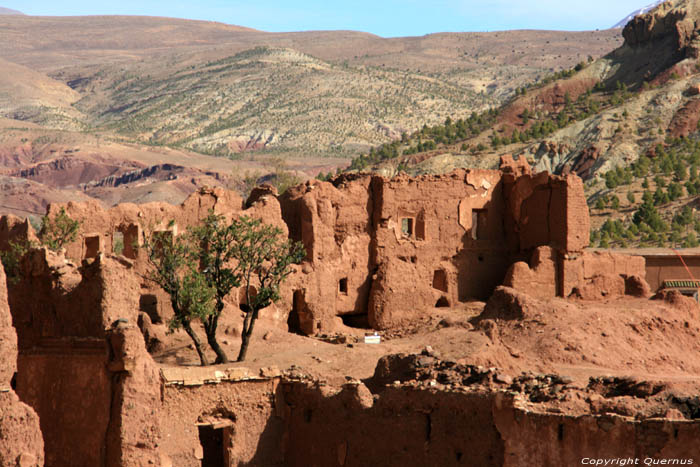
[387, 18]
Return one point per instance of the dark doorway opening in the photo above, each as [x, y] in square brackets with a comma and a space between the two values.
[442, 303]
[356, 321]
[343, 286]
[293, 321]
[148, 303]
[212, 441]
[92, 247]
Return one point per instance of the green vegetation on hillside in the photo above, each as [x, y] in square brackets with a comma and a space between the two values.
[664, 214]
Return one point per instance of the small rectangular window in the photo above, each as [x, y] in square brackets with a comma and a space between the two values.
[479, 218]
[92, 247]
[343, 286]
[118, 243]
[407, 227]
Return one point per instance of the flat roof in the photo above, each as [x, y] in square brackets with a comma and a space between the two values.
[651, 252]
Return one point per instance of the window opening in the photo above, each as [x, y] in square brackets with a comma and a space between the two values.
[407, 227]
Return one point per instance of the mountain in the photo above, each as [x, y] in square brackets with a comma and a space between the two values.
[8, 11]
[627, 123]
[641, 11]
[96, 99]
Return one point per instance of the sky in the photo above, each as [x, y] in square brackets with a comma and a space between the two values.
[386, 18]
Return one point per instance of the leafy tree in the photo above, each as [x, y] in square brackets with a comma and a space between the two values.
[615, 203]
[201, 267]
[11, 258]
[631, 198]
[175, 270]
[212, 240]
[647, 214]
[263, 260]
[58, 230]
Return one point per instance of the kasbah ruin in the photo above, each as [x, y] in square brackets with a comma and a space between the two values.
[78, 385]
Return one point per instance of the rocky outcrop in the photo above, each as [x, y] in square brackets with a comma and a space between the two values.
[685, 121]
[669, 20]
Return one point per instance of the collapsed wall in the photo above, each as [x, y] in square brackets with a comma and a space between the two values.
[82, 364]
[421, 411]
[379, 252]
[21, 442]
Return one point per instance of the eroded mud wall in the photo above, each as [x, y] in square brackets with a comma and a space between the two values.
[301, 424]
[554, 440]
[69, 367]
[21, 442]
[244, 410]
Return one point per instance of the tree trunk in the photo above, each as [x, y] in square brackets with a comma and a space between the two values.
[248, 325]
[210, 328]
[197, 344]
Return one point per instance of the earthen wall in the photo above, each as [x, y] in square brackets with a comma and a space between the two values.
[669, 267]
[82, 361]
[380, 252]
[297, 424]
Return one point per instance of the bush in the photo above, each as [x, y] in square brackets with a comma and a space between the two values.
[59, 230]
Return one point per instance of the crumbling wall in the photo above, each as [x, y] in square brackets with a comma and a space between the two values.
[334, 225]
[13, 228]
[63, 314]
[588, 275]
[21, 442]
[409, 422]
[133, 435]
[380, 252]
[241, 406]
[533, 438]
[547, 210]
[348, 427]
[126, 224]
[439, 240]
[580, 270]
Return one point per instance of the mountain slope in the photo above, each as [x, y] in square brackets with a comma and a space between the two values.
[628, 123]
[153, 90]
[9, 11]
[28, 95]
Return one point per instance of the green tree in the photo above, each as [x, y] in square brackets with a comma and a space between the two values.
[200, 268]
[58, 230]
[264, 261]
[631, 198]
[615, 202]
[175, 270]
[11, 259]
[211, 240]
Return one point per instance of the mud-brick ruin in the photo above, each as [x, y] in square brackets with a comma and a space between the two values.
[380, 254]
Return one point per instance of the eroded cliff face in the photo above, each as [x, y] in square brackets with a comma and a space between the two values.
[21, 442]
[672, 21]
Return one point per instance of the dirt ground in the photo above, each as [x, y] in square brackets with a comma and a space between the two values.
[620, 337]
